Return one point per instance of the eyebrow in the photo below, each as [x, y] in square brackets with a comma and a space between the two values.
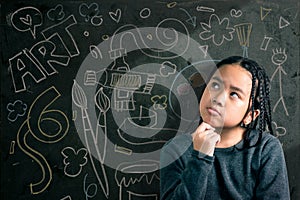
[234, 88]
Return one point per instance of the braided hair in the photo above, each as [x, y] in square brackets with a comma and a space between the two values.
[260, 95]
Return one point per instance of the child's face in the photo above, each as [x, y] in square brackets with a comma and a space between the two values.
[226, 98]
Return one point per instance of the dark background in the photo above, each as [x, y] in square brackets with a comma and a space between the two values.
[23, 153]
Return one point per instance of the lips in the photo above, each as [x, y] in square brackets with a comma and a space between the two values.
[213, 111]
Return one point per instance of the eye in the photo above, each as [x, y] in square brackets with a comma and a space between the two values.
[215, 85]
[234, 95]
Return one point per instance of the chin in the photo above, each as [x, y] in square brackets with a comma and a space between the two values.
[213, 122]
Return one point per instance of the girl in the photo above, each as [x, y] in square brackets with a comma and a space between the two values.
[230, 155]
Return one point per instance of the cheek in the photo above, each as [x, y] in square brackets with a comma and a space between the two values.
[204, 99]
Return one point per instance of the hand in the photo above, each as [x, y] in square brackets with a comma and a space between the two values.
[205, 139]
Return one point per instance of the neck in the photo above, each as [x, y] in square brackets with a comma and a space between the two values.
[230, 136]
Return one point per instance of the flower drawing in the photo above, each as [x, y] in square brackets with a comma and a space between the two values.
[217, 30]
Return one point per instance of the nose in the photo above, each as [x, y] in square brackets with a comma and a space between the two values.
[219, 98]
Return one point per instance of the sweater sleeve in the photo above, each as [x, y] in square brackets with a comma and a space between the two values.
[272, 177]
[185, 177]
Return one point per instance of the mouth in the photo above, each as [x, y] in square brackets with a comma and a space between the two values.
[213, 111]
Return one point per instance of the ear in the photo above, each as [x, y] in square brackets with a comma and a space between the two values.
[248, 118]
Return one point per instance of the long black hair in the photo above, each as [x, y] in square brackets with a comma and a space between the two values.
[260, 95]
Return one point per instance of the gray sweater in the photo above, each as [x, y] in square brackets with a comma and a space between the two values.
[232, 173]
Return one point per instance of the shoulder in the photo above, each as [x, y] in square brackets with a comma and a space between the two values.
[270, 146]
[269, 140]
[264, 140]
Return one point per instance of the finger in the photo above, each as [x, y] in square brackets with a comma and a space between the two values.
[204, 126]
[213, 137]
[202, 135]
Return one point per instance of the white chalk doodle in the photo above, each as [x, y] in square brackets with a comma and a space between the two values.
[145, 13]
[86, 33]
[191, 19]
[235, 13]
[15, 110]
[159, 102]
[68, 197]
[137, 135]
[172, 4]
[265, 43]
[88, 11]
[167, 68]
[74, 115]
[264, 12]
[95, 52]
[205, 9]
[204, 49]
[36, 63]
[38, 113]
[116, 16]
[97, 20]
[80, 100]
[243, 32]
[61, 30]
[279, 130]
[12, 147]
[74, 161]
[56, 13]
[167, 38]
[27, 19]
[102, 103]
[91, 190]
[105, 37]
[129, 175]
[217, 30]
[90, 78]
[283, 22]
[122, 150]
[278, 58]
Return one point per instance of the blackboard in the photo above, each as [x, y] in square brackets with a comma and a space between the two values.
[91, 90]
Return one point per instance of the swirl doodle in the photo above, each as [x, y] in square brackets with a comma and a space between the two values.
[38, 114]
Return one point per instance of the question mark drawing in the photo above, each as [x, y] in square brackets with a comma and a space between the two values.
[27, 19]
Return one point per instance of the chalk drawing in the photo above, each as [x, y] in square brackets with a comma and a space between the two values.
[167, 68]
[27, 19]
[74, 160]
[116, 16]
[88, 11]
[130, 174]
[145, 13]
[243, 32]
[191, 19]
[217, 30]
[265, 43]
[264, 12]
[80, 100]
[235, 13]
[15, 110]
[39, 113]
[159, 102]
[90, 191]
[278, 58]
[283, 22]
[172, 4]
[279, 130]
[205, 9]
[56, 13]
